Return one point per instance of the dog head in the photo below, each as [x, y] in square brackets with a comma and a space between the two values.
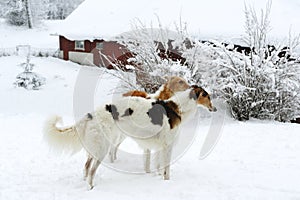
[176, 84]
[202, 97]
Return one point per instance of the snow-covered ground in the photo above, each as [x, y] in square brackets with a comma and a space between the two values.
[39, 37]
[252, 160]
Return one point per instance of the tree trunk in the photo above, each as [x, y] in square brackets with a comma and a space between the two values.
[28, 14]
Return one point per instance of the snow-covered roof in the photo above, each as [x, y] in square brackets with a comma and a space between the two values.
[107, 18]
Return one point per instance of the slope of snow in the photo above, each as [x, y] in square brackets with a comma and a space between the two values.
[252, 160]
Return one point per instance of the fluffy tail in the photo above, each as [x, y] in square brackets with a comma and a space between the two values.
[62, 140]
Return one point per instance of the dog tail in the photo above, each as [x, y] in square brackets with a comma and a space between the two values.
[61, 140]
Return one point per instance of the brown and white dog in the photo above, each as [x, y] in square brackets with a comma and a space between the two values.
[166, 91]
[157, 119]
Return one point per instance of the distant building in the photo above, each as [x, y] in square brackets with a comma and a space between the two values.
[85, 36]
[92, 52]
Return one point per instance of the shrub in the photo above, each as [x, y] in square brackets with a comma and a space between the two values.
[262, 84]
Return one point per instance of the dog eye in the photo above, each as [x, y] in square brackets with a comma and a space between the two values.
[181, 82]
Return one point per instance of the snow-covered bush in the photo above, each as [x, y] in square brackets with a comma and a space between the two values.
[263, 91]
[17, 17]
[260, 85]
[6, 51]
[28, 79]
[38, 52]
[151, 61]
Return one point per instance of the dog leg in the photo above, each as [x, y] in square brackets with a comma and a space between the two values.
[166, 162]
[92, 173]
[166, 175]
[114, 147]
[113, 152]
[87, 166]
[158, 162]
[147, 156]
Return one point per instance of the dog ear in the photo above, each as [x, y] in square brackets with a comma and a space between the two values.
[113, 110]
[195, 92]
[204, 93]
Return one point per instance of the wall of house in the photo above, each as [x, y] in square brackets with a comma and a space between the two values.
[82, 57]
[61, 54]
[109, 52]
[65, 46]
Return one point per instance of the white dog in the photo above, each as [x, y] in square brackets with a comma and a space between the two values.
[153, 124]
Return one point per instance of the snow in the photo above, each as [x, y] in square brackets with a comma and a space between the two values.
[11, 36]
[104, 19]
[252, 160]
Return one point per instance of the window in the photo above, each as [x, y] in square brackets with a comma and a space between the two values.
[79, 44]
[99, 45]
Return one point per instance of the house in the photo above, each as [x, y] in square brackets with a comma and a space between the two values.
[86, 36]
[96, 52]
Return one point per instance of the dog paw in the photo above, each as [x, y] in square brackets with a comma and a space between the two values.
[166, 176]
[90, 187]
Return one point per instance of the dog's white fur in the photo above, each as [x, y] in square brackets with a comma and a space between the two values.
[98, 133]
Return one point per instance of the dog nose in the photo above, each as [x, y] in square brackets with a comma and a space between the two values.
[213, 109]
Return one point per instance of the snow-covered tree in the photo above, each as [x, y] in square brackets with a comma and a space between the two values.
[16, 14]
[30, 12]
[29, 79]
[25, 12]
[3, 8]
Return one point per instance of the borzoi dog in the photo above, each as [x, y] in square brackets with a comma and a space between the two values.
[173, 84]
[98, 130]
[176, 110]
[166, 91]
